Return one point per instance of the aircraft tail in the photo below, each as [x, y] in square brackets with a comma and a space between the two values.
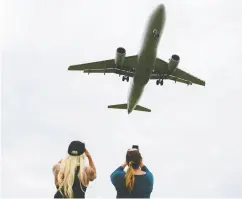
[125, 106]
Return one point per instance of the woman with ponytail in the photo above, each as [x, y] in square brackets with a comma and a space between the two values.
[72, 175]
[137, 181]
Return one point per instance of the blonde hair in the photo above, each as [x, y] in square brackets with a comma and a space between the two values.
[129, 177]
[66, 175]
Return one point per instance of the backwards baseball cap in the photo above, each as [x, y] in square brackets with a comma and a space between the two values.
[76, 148]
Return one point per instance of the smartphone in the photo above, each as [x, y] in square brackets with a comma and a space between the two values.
[135, 147]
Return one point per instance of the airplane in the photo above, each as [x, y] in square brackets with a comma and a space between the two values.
[142, 67]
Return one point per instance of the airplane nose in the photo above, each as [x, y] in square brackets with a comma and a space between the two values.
[161, 8]
[159, 11]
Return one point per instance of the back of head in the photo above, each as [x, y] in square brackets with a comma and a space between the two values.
[68, 167]
[76, 148]
[133, 159]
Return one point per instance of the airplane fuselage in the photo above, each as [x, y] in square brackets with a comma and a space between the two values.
[147, 56]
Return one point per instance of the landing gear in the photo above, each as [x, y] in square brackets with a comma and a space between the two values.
[161, 82]
[125, 78]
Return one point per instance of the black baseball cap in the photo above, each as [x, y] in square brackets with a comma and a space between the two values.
[76, 148]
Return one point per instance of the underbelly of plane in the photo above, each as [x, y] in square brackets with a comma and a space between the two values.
[134, 96]
[145, 67]
[143, 73]
[141, 78]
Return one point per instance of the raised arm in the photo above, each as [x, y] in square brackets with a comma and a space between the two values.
[118, 173]
[149, 175]
[56, 169]
[143, 167]
[91, 171]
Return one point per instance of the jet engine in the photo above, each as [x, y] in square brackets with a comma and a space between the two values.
[120, 55]
[173, 63]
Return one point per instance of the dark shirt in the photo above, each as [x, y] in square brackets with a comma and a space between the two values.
[143, 184]
[77, 188]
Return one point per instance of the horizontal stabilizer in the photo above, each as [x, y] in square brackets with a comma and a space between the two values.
[125, 106]
[141, 108]
[119, 106]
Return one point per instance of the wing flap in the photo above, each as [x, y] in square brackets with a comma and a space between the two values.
[110, 70]
[170, 77]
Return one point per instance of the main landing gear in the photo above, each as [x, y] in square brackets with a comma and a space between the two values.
[125, 78]
[161, 82]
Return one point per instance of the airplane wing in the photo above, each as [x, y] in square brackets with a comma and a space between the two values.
[184, 75]
[161, 70]
[105, 66]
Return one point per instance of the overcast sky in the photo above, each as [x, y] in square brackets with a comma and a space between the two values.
[191, 140]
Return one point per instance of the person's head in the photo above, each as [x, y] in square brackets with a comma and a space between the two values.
[75, 157]
[133, 160]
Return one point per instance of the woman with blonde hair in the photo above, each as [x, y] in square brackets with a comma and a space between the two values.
[137, 181]
[72, 175]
